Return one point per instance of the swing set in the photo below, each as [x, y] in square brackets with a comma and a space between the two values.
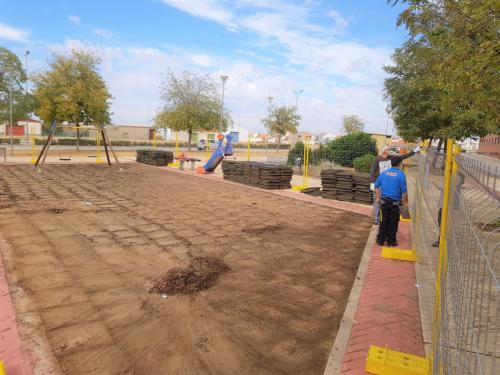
[101, 133]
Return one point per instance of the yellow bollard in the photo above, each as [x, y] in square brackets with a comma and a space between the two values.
[176, 163]
[33, 147]
[248, 151]
[98, 146]
[305, 167]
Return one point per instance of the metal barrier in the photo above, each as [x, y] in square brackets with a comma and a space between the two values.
[465, 333]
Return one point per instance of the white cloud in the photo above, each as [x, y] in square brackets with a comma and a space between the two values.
[134, 77]
[102, 32]
[75, 19]
[295, 32]
[207, 9]
[12, 33]
[340, 22]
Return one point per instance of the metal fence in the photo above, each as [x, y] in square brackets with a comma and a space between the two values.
[461, 295]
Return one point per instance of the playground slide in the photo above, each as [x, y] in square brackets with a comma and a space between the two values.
[218, 155]
[214, 160]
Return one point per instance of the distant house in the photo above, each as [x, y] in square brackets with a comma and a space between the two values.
[130, 132]
[239, 135]
[490, 146]
[381, 139]
[23, 127]
[324, 138]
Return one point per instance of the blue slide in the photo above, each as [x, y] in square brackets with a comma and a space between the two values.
[218, 155]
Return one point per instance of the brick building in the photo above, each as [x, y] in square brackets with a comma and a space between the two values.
[490, 146]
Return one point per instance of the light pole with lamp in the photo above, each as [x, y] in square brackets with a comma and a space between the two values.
[26, 92]
[11, 124]
[270, 99]
[223, 79]
[297, 93]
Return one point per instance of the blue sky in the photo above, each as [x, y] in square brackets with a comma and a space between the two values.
[333, 50]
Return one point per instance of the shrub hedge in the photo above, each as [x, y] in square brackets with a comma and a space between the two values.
[363, 163]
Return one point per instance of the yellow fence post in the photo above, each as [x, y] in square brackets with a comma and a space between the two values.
[442, 261]
[176, 163]
[306, 163]
[98, 145]
[33, 147]
[305, 166]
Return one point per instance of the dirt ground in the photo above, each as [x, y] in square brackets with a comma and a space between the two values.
[89, 241]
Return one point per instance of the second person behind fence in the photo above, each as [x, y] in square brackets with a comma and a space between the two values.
[390, 190]
[381, 164]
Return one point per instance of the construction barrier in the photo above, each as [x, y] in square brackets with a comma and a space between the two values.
[455, 212]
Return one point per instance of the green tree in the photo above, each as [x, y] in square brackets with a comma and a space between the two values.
[345, 149]
[191, 103]
[282, 120]
[463, 56]
[415, 99]
[12, 79]
[352, 124]
[73, 91]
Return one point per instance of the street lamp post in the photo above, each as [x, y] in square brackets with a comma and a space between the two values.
[297, 93]
[223, 79]
[270, 99]
[26, 92]
[11, 124]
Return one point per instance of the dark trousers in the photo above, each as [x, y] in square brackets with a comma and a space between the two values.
[389, 225]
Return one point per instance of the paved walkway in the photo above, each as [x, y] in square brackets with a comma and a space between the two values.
[11, 351]
[388, 311]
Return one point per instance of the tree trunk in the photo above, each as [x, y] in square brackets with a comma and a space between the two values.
[440, 143]
[190, 132]
[78, 138]
[279, 142]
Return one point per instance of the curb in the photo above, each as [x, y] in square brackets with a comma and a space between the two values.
[344, 332]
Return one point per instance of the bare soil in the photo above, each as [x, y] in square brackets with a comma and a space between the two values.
[88, 243]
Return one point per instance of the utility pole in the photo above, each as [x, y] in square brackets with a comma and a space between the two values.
[270, 99]
[297, 93]
[223, 79]
[26, 93]
[11, 124]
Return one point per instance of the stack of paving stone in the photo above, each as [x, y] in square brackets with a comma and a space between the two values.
[345, 186]
[264, 175]
[155, 157]
[329, 183]
[362, 192]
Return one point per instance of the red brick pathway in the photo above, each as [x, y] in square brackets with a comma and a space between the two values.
[388, 312]
[11, 351]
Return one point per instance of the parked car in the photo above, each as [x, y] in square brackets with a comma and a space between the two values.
[202, 144]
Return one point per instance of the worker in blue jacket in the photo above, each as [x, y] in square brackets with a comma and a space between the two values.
[390, 191]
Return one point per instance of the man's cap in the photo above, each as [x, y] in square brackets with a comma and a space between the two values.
[384, 149]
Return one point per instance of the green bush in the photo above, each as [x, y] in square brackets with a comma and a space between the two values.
[297, 151]
[345, 149]
[6, 141]
[363, 163]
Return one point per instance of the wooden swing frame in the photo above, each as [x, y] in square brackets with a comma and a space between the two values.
[40, 161]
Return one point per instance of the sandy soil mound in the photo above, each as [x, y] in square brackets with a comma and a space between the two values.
[200, 274]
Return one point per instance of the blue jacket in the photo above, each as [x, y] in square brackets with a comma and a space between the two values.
[392, 184]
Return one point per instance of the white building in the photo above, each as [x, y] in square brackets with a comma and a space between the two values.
[29, 127]
[239, 134]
